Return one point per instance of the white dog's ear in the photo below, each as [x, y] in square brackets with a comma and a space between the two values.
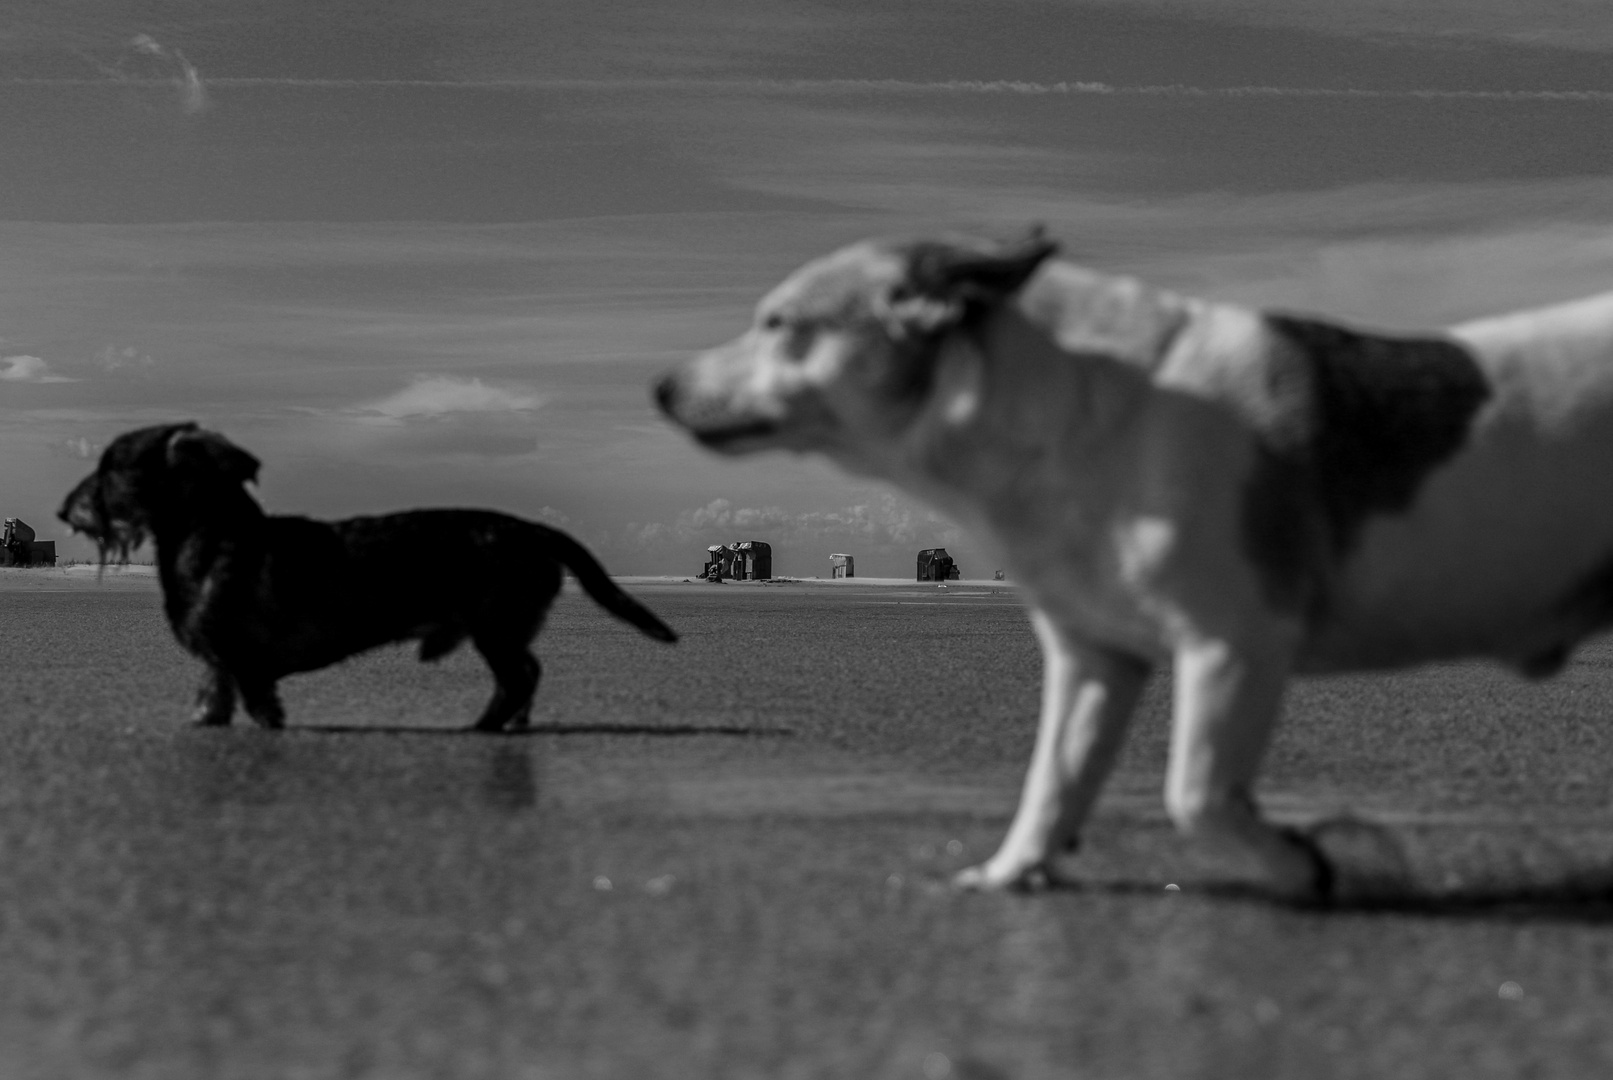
[908, 315]
[211, 454]
[949, 282]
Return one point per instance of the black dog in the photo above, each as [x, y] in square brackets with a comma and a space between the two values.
[258, 597]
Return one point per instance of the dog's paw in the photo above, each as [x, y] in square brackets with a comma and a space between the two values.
[999, 876]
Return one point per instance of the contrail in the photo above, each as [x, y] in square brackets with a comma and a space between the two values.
[966, 86]
[983, 87]
[170, 65]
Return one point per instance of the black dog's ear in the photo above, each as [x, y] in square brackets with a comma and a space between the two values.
[947, 283]
[210, 454]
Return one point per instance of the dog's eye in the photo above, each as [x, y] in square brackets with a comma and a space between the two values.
[798, 342]
[774, 321]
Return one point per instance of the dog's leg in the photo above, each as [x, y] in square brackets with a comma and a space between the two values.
[515, 673]
[521, 715]
[1087, 696]
[261, 702]
[1228, 698]
[215, 698]
[518, 698]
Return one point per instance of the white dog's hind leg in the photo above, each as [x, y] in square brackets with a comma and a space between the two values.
[1087, 696]
[1227, 703]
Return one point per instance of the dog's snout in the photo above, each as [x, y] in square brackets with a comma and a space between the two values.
[77, 507]
[666, 392]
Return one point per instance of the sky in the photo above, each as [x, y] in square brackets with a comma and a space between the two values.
[415, 254]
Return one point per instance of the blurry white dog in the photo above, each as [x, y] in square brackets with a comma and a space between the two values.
[1247, 495]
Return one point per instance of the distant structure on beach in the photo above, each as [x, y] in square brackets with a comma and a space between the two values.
[842, 566]
[936, 565]
[745, 560]
[19, 548]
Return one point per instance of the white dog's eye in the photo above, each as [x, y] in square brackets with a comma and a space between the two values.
[798, 342]
[774, 321]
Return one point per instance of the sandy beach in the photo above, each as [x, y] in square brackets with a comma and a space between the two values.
[729, 858]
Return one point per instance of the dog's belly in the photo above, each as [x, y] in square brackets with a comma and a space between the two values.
[1096, 610]
[1508, 550]
[1502, 556]
[288, 642]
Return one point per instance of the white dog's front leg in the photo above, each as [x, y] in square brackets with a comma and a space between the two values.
[1087, 695]
[1227, 702]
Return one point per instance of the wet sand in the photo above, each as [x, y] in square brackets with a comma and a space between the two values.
[776, 804]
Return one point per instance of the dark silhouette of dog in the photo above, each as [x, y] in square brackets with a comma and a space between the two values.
[259, 596]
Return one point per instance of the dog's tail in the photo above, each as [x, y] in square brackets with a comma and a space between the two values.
[592, 577]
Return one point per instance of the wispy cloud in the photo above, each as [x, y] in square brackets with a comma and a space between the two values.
[550, 516]
[24, 368]
[435, 416]
[143, 61]
[192, 95]
[1103, 89]
[196, 100]
[123, 357]
[884, 521]
[430, 396]
[79, 447]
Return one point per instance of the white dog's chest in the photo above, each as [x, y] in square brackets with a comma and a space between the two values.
[1094, 604]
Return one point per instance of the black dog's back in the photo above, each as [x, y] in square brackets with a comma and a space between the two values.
[328, 590]
[325, 590]
[463, 567]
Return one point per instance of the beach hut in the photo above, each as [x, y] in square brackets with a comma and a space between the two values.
[842, 566]
[753, 560]
[719, 563]
[747, 560]
[20, 547]
[936, 565]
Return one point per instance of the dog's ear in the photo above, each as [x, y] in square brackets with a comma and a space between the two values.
[947, 283]
[209, 454]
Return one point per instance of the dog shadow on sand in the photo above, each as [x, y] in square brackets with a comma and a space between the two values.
[1515, 874]
[537, 730]
[492, 772]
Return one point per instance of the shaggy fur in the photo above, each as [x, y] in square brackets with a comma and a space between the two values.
[258, 596]
[1242, 495]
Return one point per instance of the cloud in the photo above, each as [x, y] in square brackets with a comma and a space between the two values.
[195, 99]
[80, 447]
[28, 369]
[434, 396]
[435, 416]
[1065, 88]
[120, 357]
[883, 521]
[550, 516]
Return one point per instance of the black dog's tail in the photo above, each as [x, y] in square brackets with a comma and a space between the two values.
[592, 577]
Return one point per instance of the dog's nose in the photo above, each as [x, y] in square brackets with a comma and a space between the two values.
[72, 509]
[666, 391]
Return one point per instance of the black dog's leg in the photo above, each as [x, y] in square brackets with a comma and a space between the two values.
[515, 673]
[521, 716]
[215, 699]
[261, 702]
